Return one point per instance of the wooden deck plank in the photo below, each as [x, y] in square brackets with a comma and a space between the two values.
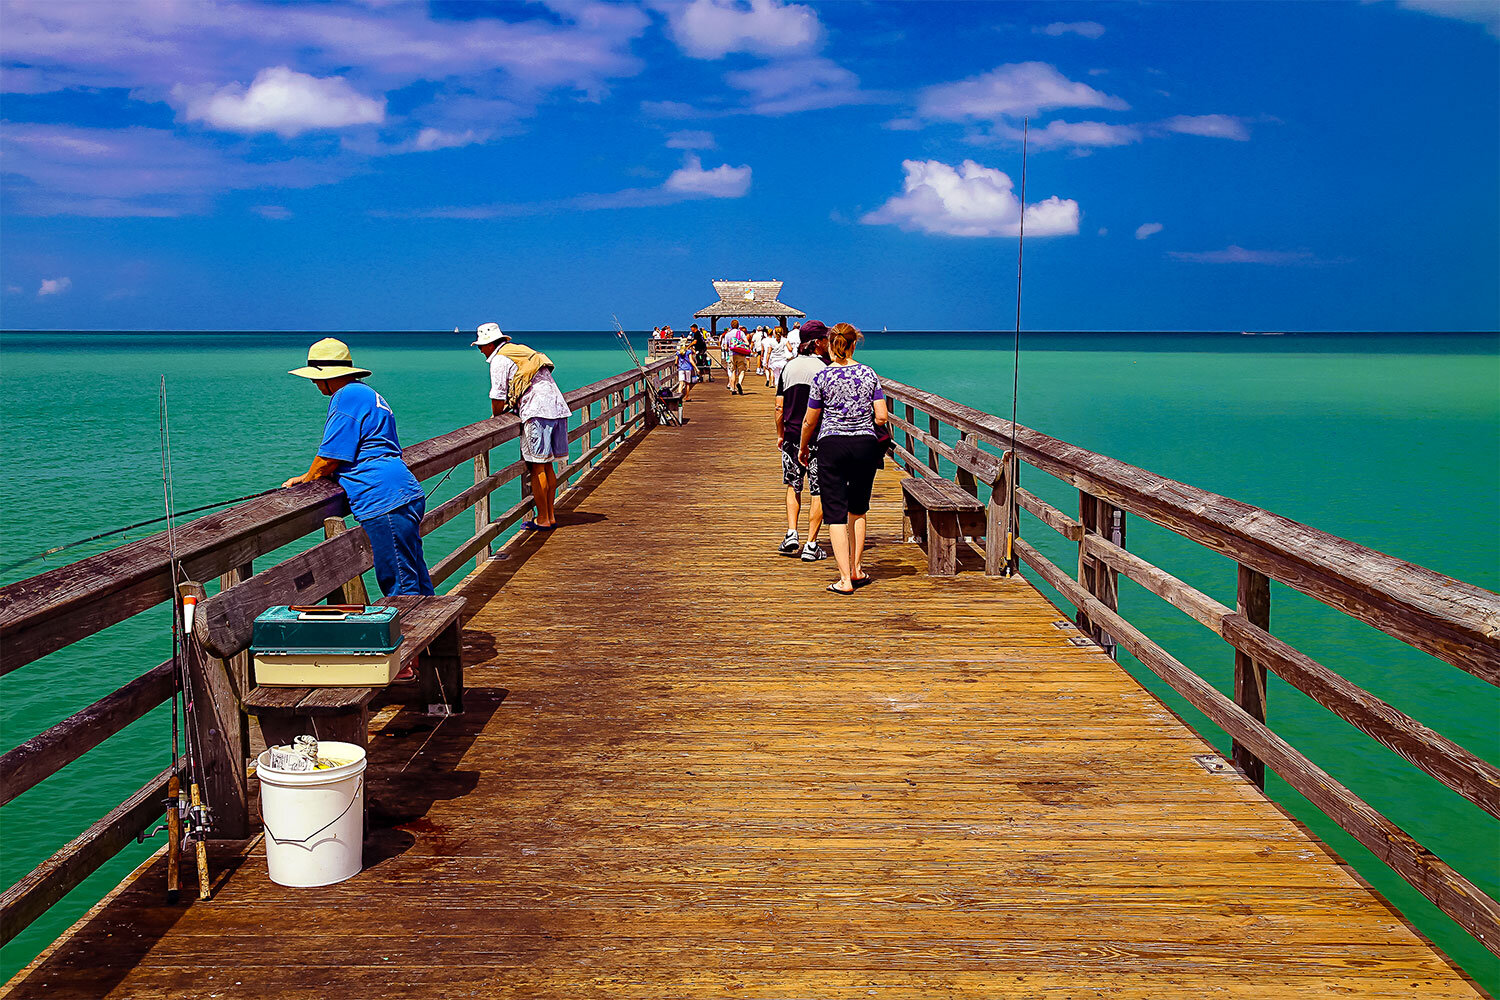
[686, 771]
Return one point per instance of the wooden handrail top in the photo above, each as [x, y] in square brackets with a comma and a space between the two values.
[52, 609]
[1455, 621]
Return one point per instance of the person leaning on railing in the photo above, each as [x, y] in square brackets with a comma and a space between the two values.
[521, 381]
[360, 451]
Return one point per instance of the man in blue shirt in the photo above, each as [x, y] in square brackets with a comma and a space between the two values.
[360, 451]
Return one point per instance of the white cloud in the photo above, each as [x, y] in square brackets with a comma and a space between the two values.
[1075, 134]
[1239, 255]
[1088, 29]
[689, 182]
[1210, 126]
[141, 172]
[711, 29]
[692, 181]
[1010, 91]
[691, 140]
[275, 212]
[54, 286]
[430, 139]
[283, 101]
[1481, 12]
[794, 85]
[969, 200]
[1146, 229]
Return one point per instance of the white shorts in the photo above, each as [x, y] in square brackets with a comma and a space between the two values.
[544, 439]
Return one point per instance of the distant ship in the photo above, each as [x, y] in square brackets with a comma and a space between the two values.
[1262, 333]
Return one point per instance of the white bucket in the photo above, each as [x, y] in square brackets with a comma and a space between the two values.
[315, 820]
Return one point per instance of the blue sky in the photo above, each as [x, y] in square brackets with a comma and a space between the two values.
[379, 165]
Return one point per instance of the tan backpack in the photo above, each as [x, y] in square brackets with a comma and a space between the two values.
[528, 363]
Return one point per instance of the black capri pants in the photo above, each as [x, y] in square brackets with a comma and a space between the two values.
[846, 474]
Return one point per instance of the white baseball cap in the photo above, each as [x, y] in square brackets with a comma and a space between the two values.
[489, 333]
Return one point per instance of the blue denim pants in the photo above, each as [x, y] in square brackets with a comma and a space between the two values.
[396, 540]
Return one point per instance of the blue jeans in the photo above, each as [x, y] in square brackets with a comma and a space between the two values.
[396, 540]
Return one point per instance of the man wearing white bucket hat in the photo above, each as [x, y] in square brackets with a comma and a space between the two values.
[521, 382]
[361, 452]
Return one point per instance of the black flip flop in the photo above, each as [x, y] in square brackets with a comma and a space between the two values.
[863, 581]
[833, 588]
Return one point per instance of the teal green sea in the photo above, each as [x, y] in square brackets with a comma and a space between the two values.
[1390, 440]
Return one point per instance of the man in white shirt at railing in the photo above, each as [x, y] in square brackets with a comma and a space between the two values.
[519, 372]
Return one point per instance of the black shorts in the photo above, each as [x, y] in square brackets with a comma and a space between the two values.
[846, 474]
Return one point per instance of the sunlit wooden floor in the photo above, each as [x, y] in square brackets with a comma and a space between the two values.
[685, 770]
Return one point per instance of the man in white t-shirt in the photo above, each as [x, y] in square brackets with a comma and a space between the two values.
[794, 340]
[544, 416]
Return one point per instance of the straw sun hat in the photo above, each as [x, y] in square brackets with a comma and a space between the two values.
[329, 358]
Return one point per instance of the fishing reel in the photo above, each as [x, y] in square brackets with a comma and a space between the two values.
[196, 821]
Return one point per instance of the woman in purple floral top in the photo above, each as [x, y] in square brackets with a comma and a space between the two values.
[843, 408]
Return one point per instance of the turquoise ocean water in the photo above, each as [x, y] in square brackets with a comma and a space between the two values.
[1392, 440]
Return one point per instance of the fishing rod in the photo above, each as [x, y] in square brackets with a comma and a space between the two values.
[663, 413]
[197, 826]
[130, 527]
[1015, 385]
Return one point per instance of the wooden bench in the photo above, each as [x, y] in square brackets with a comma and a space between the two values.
[430, 628]
[939, 512]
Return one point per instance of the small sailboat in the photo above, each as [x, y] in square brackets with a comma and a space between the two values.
[455, 329]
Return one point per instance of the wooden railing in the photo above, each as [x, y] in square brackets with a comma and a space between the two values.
[53, 609]
[1447, 618]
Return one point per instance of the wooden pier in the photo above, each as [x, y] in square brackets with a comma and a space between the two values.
[684, 769]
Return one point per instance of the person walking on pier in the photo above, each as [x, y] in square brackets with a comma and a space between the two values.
[776, 355]
[360, 451]
[700, 353]
[844, 406]
[521, 381]
[793, 384]
[687, 369]
[737, 356]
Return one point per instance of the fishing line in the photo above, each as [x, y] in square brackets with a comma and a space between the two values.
[1015, 385]
[130, 527]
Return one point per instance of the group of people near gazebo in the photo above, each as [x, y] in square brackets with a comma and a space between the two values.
[830, 420]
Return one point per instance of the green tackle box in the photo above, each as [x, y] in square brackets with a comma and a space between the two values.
[326, 646]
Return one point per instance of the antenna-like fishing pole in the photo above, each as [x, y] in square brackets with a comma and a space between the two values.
[1015, 385]
[197, 814]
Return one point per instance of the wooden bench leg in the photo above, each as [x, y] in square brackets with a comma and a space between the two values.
[942, 543]
[440, 671]
[914, 524]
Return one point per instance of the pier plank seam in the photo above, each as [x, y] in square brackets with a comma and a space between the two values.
[651, 795]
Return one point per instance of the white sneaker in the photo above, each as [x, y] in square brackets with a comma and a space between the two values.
[811, 552]
[789, 544]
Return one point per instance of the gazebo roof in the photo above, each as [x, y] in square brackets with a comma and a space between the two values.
[748, 298]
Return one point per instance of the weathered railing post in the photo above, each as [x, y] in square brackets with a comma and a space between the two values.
[239, 664]
[352, 592]
[962, 476]
[1099, 517]
[482, 507]
[911, 419]
[1000, 521]
[218, 735]
[932, 456]
[1254, 602]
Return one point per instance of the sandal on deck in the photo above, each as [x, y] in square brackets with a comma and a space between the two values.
[833, 588]
[863, 581]
[533, 526]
